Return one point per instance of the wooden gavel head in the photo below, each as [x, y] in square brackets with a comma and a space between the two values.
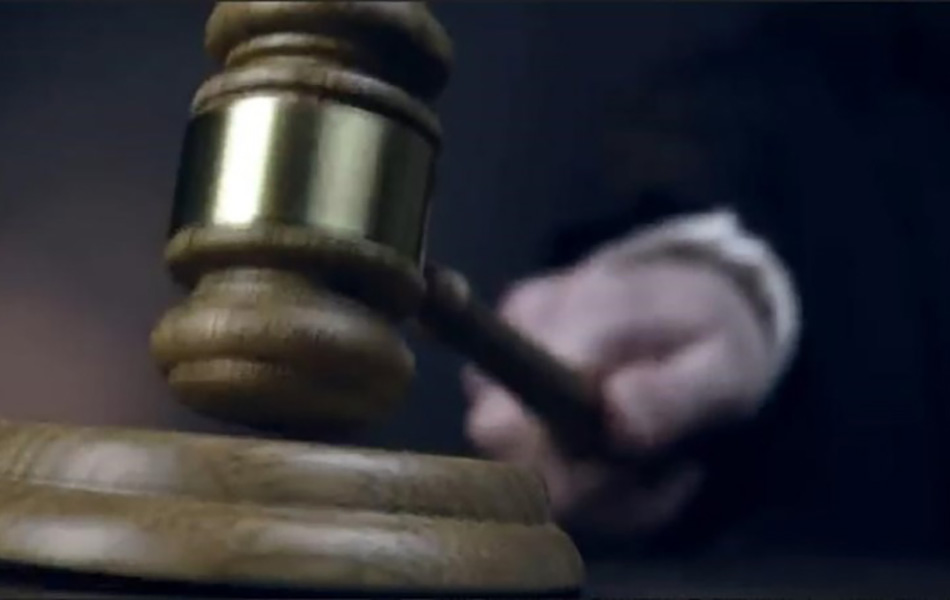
[300, 220]
[301, 211]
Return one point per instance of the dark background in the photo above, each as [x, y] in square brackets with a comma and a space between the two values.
[93, 103]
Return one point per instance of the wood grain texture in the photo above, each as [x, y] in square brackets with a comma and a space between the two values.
[294, 328]
[370, 273]
[368, 32]
[273, 341]
[209, 509]
[288, 328]
[388, 57]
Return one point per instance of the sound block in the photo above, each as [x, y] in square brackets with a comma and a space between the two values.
[111, 511]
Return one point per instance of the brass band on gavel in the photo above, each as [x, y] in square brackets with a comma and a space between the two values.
[310, 129]
[300, 226]
[300, 212]
[312, 154]
[341, 169]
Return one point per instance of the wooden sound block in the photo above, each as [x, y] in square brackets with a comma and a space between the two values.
[202, 510]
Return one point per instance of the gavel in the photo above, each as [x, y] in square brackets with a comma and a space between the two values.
[299, 225]
[300, 218]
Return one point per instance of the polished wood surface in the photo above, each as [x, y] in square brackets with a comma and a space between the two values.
[300, 306]
[263, 328]
[291, 327]
[208, 509]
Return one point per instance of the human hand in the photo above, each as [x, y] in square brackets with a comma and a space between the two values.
[674, 346]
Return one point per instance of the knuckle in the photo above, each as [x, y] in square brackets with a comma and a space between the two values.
[474, 381]
[640, 413]
[527, 304]
[497, 425]
[749, 360]
[521, 296]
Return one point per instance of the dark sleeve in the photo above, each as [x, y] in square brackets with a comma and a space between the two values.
[693, 137]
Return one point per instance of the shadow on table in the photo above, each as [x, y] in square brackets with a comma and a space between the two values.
[773, 578]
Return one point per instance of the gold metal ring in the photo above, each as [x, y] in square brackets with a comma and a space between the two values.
[280, 158]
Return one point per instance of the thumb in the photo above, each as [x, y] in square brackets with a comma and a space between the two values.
[650, 405]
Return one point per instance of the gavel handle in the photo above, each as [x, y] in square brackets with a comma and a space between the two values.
[561, 397]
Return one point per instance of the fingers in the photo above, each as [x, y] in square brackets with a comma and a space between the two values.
[675, 347]
[650, 405]
[658, 505]
[614, 501]
[529, 304]
[497, 423]
[625, 507]
[500, 426]
[474, 382]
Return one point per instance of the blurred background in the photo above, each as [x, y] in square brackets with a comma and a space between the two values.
[93, 103]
